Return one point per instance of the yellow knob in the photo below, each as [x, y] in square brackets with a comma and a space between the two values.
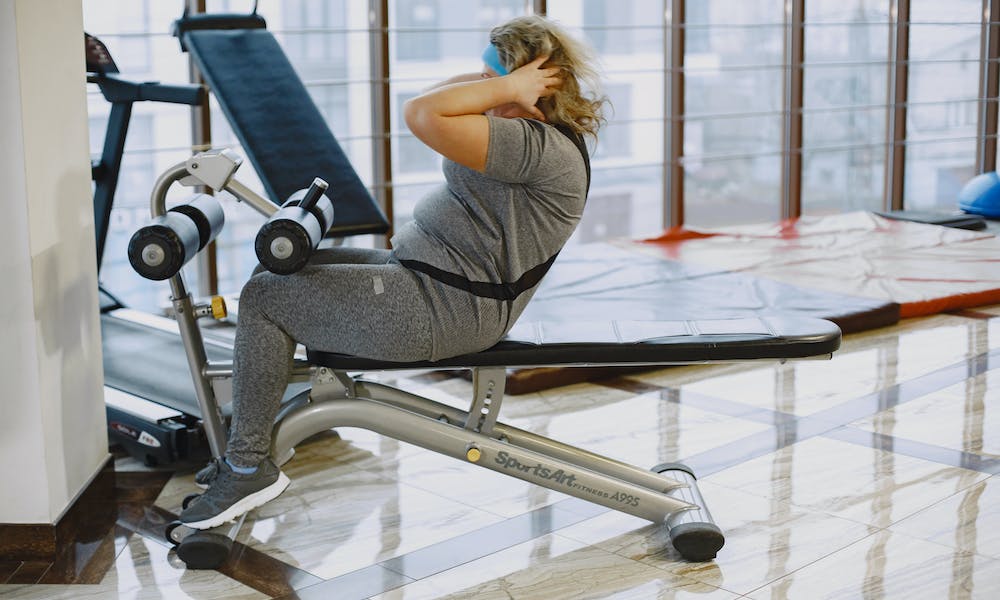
[219, 307]
[473, 454]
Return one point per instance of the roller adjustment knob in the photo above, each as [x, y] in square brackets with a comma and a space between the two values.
[219, 310]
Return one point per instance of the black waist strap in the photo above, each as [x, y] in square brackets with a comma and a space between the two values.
[499, 291]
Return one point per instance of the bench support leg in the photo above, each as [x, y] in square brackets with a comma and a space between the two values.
[330, 408]
[668, 494]
[518, 437]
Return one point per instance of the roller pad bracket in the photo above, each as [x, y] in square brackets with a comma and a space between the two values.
[214, 168]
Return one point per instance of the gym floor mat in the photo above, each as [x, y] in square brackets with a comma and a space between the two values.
[590, 282]
[926, 269]
[857, 269]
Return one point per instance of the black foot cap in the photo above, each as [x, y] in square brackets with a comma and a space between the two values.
[697, 542]
[204, 550]
[664, 467]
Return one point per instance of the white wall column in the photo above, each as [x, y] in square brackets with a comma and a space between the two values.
[52, 421]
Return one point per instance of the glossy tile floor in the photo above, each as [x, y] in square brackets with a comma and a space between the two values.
[872, 475]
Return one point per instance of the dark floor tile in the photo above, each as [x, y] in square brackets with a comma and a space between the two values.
[627, 384]
[30, 541]
[83, 562]
[268, 575]
[7, 569]
[29, 573]
[149, 521]
[139, 486]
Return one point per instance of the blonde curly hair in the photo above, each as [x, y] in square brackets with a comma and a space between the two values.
[523, 39]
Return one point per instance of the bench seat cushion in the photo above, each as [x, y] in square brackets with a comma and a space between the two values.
[533, 344]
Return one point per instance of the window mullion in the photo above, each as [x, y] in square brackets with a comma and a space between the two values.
[791, 164]
[899, 50]
[381, 112]
[989, 86]
[673, 97]
[201, 139]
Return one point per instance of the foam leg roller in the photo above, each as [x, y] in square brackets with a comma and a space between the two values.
[287, 240]
[160, 249]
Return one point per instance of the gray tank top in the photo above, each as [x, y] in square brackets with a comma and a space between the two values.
[493, 228]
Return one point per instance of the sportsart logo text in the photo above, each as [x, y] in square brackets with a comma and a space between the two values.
[569, 480]
[538, 470]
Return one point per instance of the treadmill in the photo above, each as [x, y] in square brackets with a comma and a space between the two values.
[149, 395]
[152, 406]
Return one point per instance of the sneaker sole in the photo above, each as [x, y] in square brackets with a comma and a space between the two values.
[245, 505]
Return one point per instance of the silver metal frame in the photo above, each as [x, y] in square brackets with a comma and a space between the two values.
[476, 436]
[215, 170]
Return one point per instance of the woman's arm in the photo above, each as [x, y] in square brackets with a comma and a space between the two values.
[462, 78]
[450, 118]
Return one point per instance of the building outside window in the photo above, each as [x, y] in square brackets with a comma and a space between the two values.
[942, 100]
[410, 155]
[626, 192]
[844, 105]
[416, 39]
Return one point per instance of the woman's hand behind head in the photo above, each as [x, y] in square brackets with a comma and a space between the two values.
[531, 82]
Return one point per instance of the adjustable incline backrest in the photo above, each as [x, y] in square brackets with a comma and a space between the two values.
[282, 131]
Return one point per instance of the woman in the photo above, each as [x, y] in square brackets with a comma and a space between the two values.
[458, 275]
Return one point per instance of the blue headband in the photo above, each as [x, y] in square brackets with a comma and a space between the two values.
[492, 60]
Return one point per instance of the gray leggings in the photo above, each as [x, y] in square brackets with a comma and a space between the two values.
[347, 300]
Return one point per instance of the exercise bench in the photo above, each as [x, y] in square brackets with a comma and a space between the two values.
[665, 494]
[340, 396]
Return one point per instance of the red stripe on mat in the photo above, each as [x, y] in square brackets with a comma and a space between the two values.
[948, 303]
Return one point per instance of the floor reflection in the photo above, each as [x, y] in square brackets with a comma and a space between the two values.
[872, 475]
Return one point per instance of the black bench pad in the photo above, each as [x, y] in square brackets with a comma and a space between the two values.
[278, 124]
[534, 344]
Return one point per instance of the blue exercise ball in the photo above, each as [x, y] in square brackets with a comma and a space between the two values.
[981, 196]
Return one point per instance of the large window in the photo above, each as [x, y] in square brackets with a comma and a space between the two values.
[411, 155]
[626, 193]
[417, 38]
[844, 112]
[942, 101]
[738, 109]
[137, 36]
[732, 120]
